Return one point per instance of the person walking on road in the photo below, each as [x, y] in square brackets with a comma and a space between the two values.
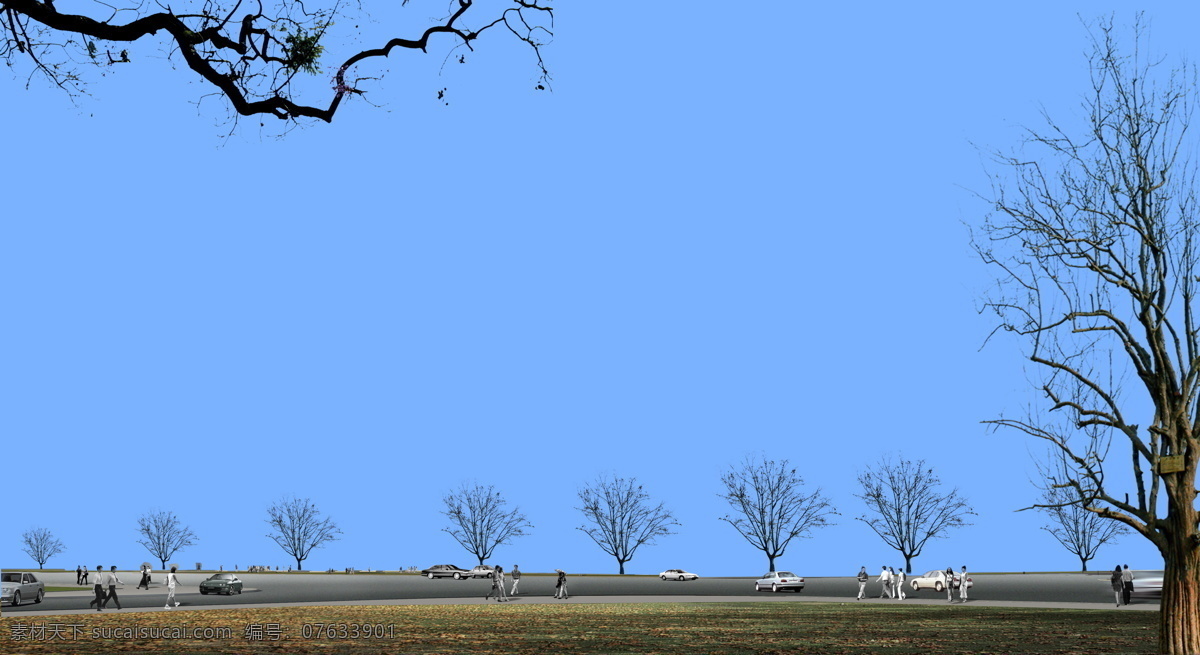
[497, 585]
[79, 575]
[85, 576]
[516, 578]
[949, 584]
[898, 579]
[962, 586]
[98, 589]
[862, 582]
[885, 580]
[113, 581]
[560, 587]
[1126, 584]
[1118, 584]
[172, 580]
[145, 581]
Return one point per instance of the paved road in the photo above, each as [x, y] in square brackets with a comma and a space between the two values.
[1040, 589]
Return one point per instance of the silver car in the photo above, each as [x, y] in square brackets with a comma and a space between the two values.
[936, 580]
[780, 580]
[18, 587]
[677, 574]
[481, 571]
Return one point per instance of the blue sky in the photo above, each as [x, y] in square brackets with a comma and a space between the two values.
[721, 235]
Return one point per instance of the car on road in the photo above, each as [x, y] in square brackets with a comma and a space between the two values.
[481, 571]
[18, 587]
[780, 580]
[936, 580]
[222, 583]
[444, 571]
[1147, 587]
[677, 574]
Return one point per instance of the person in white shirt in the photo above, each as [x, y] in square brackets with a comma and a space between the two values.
[962, 586]
[885, 579]
[98, 589]
[949, 584]
[899, 582]
[113, 581]
[172, 580]
[516, 577]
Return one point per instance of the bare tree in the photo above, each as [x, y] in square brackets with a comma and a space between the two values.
[41, 545]
[298, 528]
[255, 55]
[1093, 239]
[622, 517]
[163, 534]
[480, 522]
[908, 506]
[1079, 529]
[771, 509]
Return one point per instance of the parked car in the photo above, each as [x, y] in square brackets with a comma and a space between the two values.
[481, 571]
[677, 574]
[936, 580]
[1147, 587]
[19, 587]
[222, 583]
[779, 580]
[444, 571]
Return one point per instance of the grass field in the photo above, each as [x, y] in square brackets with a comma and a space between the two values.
[635, 628]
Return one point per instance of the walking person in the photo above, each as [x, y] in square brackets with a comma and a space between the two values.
[79, 575]
[885, 580]
[862, 582]
[85, 577]
[1118, 584]
[145, 581]
[172, 580]
[560, 587]
[1127, 584]
[899, 579]
[516, 577]
[949, 584]
[962, 586]
[98, 589]
[501, 595]
[113, 581]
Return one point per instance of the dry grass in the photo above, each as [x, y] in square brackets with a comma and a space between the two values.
[513, 629]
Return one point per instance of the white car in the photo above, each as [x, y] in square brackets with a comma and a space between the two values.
[1147, 588]
[780, 580]
[677, 574]
[936, 580]
[18, 587]
[481, 571]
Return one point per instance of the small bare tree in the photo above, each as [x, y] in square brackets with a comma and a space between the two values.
[163, 534]
[41, 545]
[1072, 513]
[298, 528]
[480, 521]
[622, 517]
[771, 509]
[908, 507]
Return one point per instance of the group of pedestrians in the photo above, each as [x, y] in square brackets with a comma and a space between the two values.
[111, 580]
[892, 583]
[1122, 584]
[497, 591]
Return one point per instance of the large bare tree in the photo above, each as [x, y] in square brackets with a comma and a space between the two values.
[622, 517]
[1080, 530]
[298, 528]
[908, 506]
[163, 534]
[41, 545]
[1094, 241]
[770, 508]
[480, 521]
[257, 54]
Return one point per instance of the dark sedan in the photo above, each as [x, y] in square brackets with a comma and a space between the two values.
[222, 583]
[445, 571]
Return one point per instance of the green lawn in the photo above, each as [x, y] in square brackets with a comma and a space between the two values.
[515, 629]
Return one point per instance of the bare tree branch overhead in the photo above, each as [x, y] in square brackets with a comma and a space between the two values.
[908, 507]
[770, 508]
[622, 517]
[258, 54]
[1093, 239]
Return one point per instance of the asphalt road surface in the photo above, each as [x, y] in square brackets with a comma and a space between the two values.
[284, 588]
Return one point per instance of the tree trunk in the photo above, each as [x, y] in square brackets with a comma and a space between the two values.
[907, 562]
[1179, 618]
[771, 559]
[298, 564]
[622, 565]
[1083, 562]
